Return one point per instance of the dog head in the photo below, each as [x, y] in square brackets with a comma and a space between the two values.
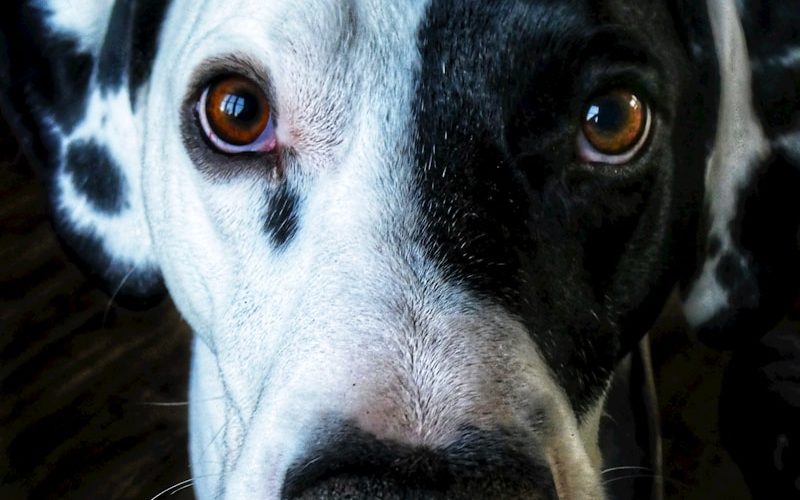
[413, 241]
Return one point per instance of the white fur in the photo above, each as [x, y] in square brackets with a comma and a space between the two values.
[83, 20]
[350, 319]
[739, 147]
[110, 122]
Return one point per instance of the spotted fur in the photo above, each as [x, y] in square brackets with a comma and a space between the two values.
[425, 275]
[750, 271]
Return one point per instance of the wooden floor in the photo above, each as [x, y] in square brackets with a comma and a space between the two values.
[92, 397]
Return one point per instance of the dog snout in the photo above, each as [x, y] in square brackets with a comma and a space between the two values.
[352, 463]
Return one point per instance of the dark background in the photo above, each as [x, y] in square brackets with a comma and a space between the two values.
[93, 397]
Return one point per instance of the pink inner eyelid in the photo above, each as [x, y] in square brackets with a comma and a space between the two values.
[265, 143]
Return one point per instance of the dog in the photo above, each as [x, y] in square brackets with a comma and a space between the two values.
[415, 240]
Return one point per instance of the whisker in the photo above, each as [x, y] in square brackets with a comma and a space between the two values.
[163, 403]
[648, 476]
[632, 476]
[625, 467]
[174, 403]
[311, 462]
[181, 488]
[177, 486]
[116, 292]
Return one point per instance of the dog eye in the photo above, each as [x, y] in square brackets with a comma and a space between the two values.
[615, 127]
[235, 115]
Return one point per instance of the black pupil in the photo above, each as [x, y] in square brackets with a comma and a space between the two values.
[607, 115]
[241, 106]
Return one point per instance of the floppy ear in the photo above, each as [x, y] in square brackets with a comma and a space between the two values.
[72, 73]
[749, 265]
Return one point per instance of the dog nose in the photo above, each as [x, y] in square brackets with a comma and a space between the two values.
[351, 463]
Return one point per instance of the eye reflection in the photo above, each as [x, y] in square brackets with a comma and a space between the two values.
[236, 117]
[615, 126]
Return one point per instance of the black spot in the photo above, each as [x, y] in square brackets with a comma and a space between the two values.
[115, 53]
[131, 43]
[44, 73]
[730, 272]
[95, 174]
[281, 218]
[148, 18]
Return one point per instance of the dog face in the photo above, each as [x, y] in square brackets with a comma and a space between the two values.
[413, 241]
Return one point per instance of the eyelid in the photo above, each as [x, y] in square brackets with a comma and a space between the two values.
[265, 143]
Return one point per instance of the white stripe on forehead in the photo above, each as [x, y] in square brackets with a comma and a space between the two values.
[739, 148]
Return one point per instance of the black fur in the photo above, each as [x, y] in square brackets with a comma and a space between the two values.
[95, 174]
[114, 56]
[42, 71]
[44, 81]
[281, 218]
[148, 16]
[584, 255]
[763, 287]
[771, 28]
[764, 232]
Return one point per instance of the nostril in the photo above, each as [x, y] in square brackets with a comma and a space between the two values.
[480, 464]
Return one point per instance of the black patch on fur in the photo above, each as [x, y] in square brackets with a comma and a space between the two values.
[133, 288]
[44, 73]
[585, 258]
[96, 175]
[764, 233]
[281, 219]
[44, 81]
[131, 43]
[115, 53]
[148, 18]
[483, 464]
[729, 271]
[771, 29]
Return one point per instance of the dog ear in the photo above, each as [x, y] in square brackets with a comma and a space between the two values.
[71, 75]
[749, 264]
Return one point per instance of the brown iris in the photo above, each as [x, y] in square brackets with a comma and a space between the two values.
[614, 122]
[237, 110]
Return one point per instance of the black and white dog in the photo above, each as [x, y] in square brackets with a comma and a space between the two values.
[414, 239]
